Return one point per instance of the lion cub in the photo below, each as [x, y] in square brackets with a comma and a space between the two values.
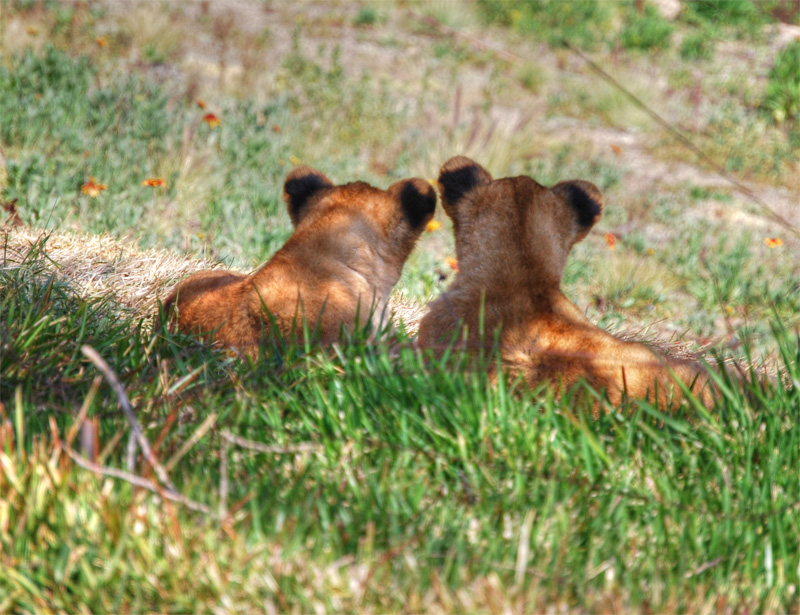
[339, 266]
[513, 237]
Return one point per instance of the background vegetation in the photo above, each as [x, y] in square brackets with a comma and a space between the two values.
[369, 478]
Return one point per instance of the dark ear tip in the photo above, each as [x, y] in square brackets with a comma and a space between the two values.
[423, 189]
[458, 176]
[455, 163]
[417, 198]
[585, 199]
[592, 191]
[301, 183]
[302, 178]
[301, 171]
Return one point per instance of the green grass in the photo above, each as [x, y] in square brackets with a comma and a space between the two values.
[223, 182]
[646, 31]
[698, 44]
[783, 91]
[743, 18]
[652, 509]
[590, 25]
[367, 16]
[419, 485]
[581, 22]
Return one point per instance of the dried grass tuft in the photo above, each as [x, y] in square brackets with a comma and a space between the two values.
[99, 266]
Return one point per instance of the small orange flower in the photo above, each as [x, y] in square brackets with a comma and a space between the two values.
[92, 188]
[154, 182]
[452, 263]
[611, 241]
[650, 251]
[433, 225]
[294, 160]
[101, 41]
[773, 242]
[201, 103]
[212, 120]
[616, 149]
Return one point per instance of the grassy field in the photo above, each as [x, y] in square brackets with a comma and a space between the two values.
[365, 477]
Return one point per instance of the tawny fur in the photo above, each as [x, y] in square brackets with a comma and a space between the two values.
[339, 266]
[513, 237]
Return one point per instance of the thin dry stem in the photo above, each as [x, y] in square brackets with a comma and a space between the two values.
[112, 379]
[198, 434]
[137, 481]
[223, 479]
[303, 447]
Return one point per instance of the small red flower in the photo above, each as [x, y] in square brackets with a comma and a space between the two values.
[773, 242]
[452, 263]
[201, 103]
[92, 188]
[154, 182]
[101, 41]
[611, 241]
[212, 120]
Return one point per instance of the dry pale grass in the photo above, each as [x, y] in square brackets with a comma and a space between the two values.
[99, 266]
[102, 266]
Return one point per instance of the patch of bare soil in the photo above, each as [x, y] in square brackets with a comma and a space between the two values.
[646, 174]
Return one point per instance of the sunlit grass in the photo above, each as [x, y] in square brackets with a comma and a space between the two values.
[631, 279]
[397, 472]
[396, 481]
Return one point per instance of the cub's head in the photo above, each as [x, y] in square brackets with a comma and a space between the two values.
[515, 228]
[359, 221]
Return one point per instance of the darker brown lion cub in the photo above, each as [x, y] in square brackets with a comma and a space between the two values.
[339, 266]
[513, 237]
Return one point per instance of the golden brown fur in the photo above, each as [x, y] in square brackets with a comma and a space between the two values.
[346, 254]
[513, 237]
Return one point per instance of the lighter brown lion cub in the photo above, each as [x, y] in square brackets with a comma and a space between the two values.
[513, 237]
[339, 266]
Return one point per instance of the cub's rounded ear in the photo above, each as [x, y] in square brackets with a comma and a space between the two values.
[584, 198]
[417, 199]
[301, 184]
[457, 178]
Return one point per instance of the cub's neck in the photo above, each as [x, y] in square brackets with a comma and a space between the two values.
[343, 259]
[513, 306]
